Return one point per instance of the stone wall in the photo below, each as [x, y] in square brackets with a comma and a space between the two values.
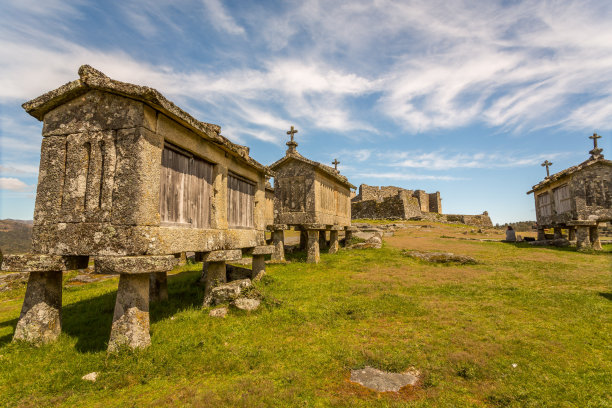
[394, 202]
[400, 206]
[481, 220]
[376, 193]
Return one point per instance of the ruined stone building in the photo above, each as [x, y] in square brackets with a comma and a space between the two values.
[397, 203]
[393, 202]
[130, 180]
[578, 198]
[310, 197]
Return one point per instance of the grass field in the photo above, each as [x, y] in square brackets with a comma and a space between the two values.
[525, 327]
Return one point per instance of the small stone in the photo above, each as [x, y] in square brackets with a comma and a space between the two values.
[383, 381]
[90, 377]
[246, 304]
[218, 312]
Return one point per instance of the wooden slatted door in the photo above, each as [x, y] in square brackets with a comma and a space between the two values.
[240, 202]
[185, 189]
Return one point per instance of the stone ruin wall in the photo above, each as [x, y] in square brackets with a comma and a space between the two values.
[390, 202]
[395, 203]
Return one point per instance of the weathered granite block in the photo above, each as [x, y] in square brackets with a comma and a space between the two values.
[215, 275]
[131, 319]
[258, 266]
[135, 264]
[278, 239]
[333, 241]
[40, 320]
[313, 247]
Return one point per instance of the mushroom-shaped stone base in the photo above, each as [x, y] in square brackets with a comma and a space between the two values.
[131, 320]
[41, 314]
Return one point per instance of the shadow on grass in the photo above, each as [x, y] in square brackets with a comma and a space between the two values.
[570, 248]
[7, 338]
[90, 320]
[607, 295]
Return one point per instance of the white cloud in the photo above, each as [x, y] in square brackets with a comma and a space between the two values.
[407, 176]
[19, 168]
[220, 18]
[441, 160]
[13, 184]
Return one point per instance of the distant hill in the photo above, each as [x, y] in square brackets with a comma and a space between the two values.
[15, 236]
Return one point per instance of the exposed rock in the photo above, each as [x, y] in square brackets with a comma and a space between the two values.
[227, 292]
[90, 377]
[12, 280]
[246, 304]
[383, 381]
[441, 257]
[218, 312]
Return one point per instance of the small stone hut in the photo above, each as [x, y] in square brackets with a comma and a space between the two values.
[578, 198]
[130, 180]
[310, 197]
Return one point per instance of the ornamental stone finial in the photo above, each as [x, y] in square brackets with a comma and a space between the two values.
[292, 143]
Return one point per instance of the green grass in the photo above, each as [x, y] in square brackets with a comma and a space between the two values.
[548, 311]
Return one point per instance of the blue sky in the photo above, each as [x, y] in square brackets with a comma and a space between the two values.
[462, 97]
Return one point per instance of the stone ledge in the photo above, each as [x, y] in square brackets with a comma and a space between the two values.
[277, 227]
[223, 255]
[582, 223]
[261, 250]
[42, 263]
[135, 264]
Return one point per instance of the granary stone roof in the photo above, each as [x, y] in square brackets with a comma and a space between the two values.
[333, 173]
[92, 79]
[570, 170]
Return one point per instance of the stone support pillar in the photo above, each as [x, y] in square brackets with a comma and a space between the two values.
[40, 320]
[571, 233]
[215, 275]
[594, 238]
[313, 246]
[131, 319]
[333, 241]
[541, 234]
[258, 267]
[278, 239]
[322, 240]
[582, 237]
[158, 286]
[558, 233]
[130, 326]
[303, 240]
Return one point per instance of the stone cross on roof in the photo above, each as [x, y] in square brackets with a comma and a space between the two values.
[595, 137]
[596, 152]
[336, 163]
[547, 164]
[292, 143]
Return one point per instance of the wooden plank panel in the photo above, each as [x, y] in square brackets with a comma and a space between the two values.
[185, 189]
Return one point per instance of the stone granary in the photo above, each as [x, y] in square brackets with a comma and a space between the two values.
[578, 198]
[310, 197]
[130, 180]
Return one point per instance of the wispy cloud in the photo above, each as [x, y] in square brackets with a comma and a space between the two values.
[221, 19]
[441, 160]
[14, 184]
[408, 176]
